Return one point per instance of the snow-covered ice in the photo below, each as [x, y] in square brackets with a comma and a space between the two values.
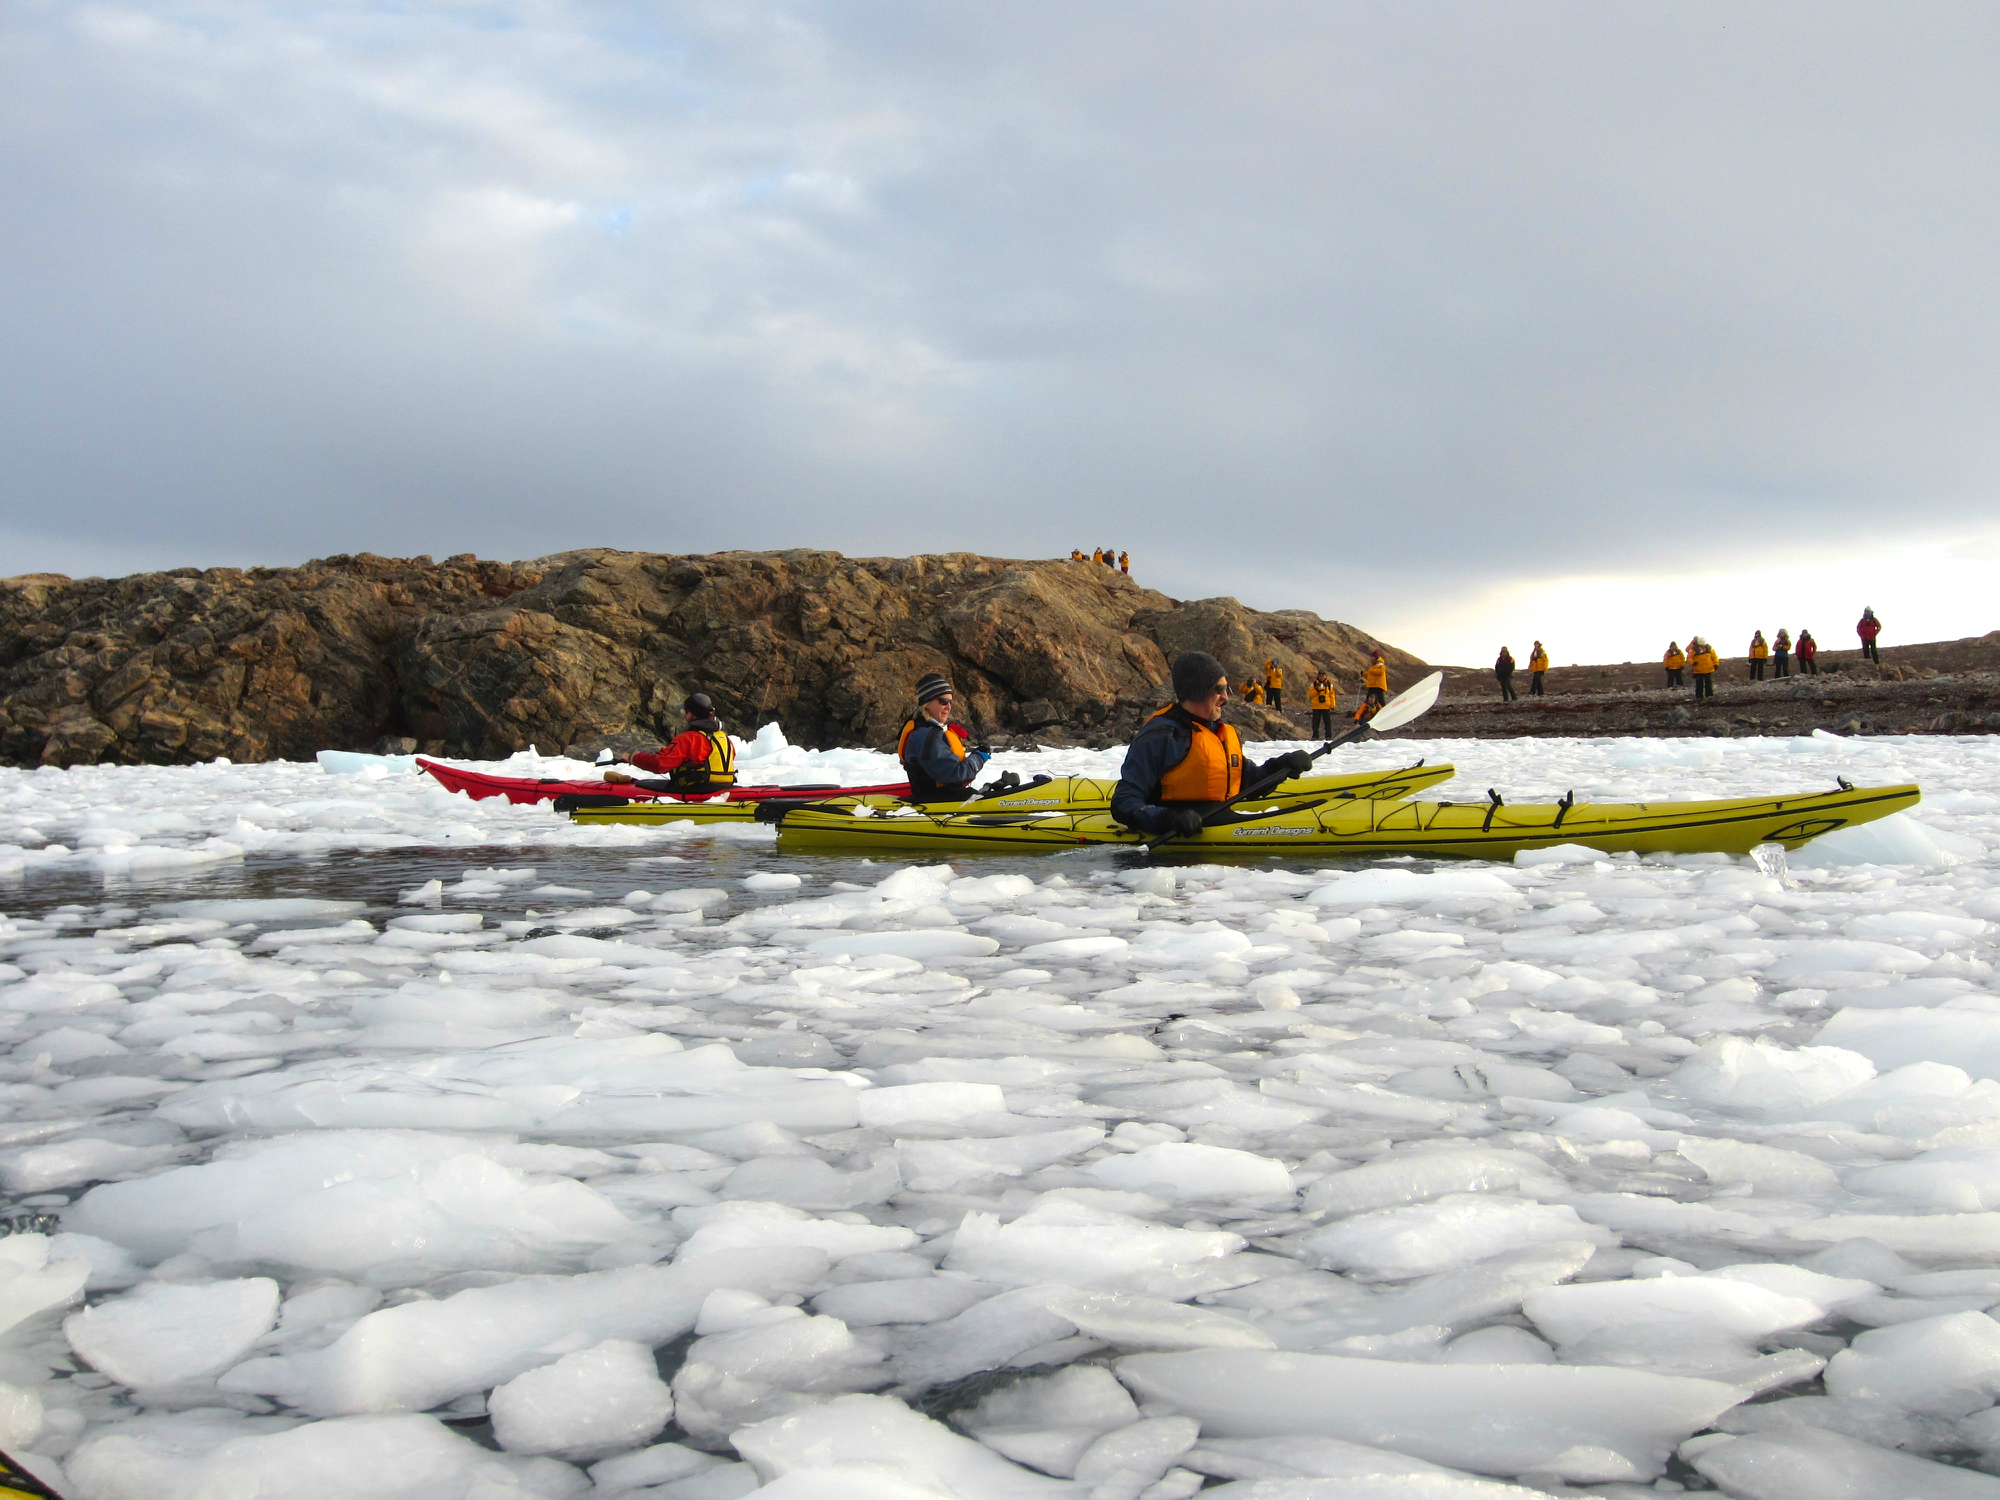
[356, 1136]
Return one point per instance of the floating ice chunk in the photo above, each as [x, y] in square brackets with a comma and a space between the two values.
[1148, 1323]
[430, 893]
[1501, 1344]
[739, 1226]
[1070, 1244]
[1947, 1367]
[764, 1361]
[422, 1354]
[1674, 1312]
[1048, 1421]
[1184, 1172]
[385, 1457]
[1898, 839]
[1559, 854]
[167, 1332]
[1392, 886]
[1584, 1425]
[899, 1104]
[940, 1166]
[922, 946]
[1131, 1458]
[1764, 1169]
[1820, 1465]
[81, 1159]
[1844, 956]
[1412, 1177]
[921, 1299]
[881, 1430]
[1968, 1039]
[589, 1404]
[1761, 1077]
[773, 880]
[1967, 1236]
[663, 1463]
[1398, 1243]
[1952, 1177]
[32, 1280]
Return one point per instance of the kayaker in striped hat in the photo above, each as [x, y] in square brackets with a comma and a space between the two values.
[937, 754]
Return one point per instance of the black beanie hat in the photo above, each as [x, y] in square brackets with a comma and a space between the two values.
[1195, 674]
[930, 686]
[698, 703]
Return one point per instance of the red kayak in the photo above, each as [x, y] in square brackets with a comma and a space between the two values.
[480, 784]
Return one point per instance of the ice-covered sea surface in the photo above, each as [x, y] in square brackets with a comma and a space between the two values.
[364, 1140]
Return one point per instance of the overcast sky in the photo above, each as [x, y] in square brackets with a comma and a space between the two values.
[1461, 322]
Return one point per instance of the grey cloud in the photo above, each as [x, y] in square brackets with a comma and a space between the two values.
[1309, 303]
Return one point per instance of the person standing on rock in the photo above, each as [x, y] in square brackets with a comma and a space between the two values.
[1274, 685]
[1868, 627]
[1701, 663]
[1098, 556]
[937, 754]
[1781, 653]
[1252, 692]
[701, 758]
[1184, 760]
[1538, 663]
[1076, 554]
[1760, 652]
[1324, 697]
[1125, 563]
[1808, 654]
[1376, 680]
[1503, 668]
[1674, 661]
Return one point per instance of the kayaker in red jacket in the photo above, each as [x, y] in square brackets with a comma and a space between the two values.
[701, 758]
[1868, 627]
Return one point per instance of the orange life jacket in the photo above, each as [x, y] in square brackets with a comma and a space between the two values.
[1211, 771]
[951, 737]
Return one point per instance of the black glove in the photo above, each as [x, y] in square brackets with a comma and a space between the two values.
[1183, 821]
[1298, 763]
[985, 750]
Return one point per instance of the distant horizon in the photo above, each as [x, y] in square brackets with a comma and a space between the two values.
[1580, 597]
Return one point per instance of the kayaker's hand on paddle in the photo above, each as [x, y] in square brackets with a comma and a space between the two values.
[1184, 822]
[1298, 763]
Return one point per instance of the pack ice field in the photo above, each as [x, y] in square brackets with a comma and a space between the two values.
[363, 1139]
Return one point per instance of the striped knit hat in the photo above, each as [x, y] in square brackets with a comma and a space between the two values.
[932, 686]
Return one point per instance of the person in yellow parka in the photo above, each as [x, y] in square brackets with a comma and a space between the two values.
[1701, 662]
[1376, 680]
[1323, 696]
[1675, 661]
[1075, 555]
[1760, 652]
[1274, 685]
[1538, 663]
[1098, 557]
[1252, 691]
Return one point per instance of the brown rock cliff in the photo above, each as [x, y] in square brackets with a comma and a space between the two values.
[475, 658]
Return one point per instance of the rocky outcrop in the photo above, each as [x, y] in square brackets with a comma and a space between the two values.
[464, 657]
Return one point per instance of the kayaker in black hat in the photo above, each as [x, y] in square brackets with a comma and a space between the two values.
[1185, 760]
[937, 754]
[701, 758]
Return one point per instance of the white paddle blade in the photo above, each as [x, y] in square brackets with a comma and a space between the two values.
[1411, 703]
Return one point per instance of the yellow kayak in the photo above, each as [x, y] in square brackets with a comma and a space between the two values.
[1069, 794]
[1371, 828]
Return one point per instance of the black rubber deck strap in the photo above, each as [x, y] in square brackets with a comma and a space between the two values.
[1845, 784]
[1563, 807]
[1493, 805]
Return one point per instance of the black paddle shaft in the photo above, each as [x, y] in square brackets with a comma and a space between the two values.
[1266, 783]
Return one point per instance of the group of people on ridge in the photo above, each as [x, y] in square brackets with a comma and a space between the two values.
[1105, 557]
[1268, 689]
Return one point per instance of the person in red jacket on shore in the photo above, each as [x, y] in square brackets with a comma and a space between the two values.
[701, 758]
[1868, 627]
[1807, 651]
